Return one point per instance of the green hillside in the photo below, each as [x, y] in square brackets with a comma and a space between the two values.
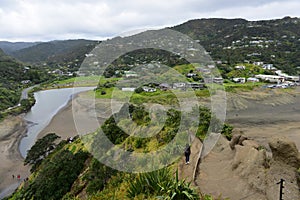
[78, 174]
[10, 47]
[235, 41]
[54, 53]
[14, 77]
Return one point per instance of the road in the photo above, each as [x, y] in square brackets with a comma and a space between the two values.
[24, 94]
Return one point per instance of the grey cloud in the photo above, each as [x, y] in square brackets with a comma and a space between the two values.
[48, 19]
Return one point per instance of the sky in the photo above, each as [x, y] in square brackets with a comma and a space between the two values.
[45, 20]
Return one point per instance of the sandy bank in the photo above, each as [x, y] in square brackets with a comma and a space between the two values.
[85, 108]
[12, 129]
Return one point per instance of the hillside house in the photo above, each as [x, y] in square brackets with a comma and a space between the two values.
[130, 74]
[165, 86]
[253, 80]
[240, 67]
[191, 75]
[128, 89]
[239, 80]
[269, 67]
[179, 85]
[258, 63]
[26, 82]
[270, 78]
[195, 86]
[149, 89]
[218, 80]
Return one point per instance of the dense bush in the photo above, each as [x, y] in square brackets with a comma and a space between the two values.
[55, 177]
[39, 150]
[97, 176]
[162, 185]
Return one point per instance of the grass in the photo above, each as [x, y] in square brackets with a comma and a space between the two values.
[184, 69]
[235, 87]
[80, 81]
[160, 97]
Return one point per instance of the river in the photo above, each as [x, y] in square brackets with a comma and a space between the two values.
[48, 103]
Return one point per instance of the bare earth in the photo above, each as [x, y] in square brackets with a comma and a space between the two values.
[259, 115]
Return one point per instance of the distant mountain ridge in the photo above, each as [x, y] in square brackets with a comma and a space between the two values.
[10, 47]
[55, 51]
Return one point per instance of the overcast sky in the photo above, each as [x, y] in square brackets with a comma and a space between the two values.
[43, 20]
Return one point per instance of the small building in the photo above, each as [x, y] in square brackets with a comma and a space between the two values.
[130, 74]
[58, 71]
[211, 66]
[258, 63]
[26, 82]
[149, 89]
[128, 89]
[240, 67]
[253, 80]
[165, 86]
[218, 80]
[195, 86]
[239, 80]
[269, 67]
[179, 85]
[191, 75]
[270, 78]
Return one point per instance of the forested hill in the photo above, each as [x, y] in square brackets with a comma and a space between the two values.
[11, 73]
[56, 52]
[10, 70]
[10, 47]
[237, 40]
[14, 76]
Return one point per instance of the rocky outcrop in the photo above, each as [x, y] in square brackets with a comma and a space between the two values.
[284, 165]
[241, 168]
[285, 151]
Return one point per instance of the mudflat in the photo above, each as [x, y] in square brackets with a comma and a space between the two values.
[12, 129]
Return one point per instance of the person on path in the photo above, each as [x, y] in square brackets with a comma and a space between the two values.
[187, 154]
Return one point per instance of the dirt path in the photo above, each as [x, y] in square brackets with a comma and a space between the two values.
[216, 177]
[187, 171]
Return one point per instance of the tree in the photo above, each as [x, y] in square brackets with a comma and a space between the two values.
[39, 150]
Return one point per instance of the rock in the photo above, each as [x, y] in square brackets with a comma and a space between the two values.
[285, 151]
[250, 143]
[234, 141]
[237, 139]
[242, 139]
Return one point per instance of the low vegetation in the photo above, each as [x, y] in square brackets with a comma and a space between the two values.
[77, 171]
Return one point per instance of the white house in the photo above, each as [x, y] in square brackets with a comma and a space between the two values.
[269, 67]
[241, 67]
[239, 80]
[258, 63]
[178, 85]
[190, 75]
[128, 89]
[218, 80]
[149, 89]
[252, 80]
[270, 78]
[129, 74]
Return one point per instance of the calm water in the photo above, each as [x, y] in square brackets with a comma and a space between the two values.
[48, 103]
